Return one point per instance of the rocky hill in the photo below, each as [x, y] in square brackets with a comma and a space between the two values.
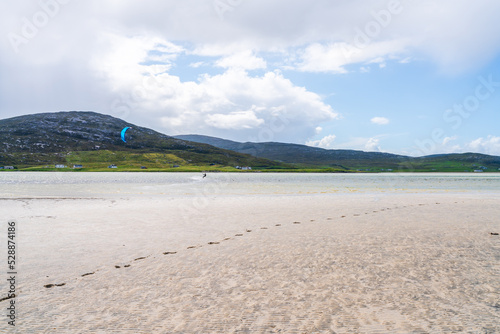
[46, 137]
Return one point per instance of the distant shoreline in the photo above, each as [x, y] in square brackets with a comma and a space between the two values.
[194, 170]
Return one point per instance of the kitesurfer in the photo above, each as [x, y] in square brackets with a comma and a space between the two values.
[123, 133]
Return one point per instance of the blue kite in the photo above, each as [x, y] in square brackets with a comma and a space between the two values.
[123, 133]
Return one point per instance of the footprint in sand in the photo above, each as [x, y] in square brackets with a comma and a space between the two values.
[168, 253]
[263, 228]
[48, 286]
[140, 258]
[277, 225]
[8, 297]
[126, 266]
[87, 274]
[214, 243]
[238, 235]
[117, 267]
[296, 222]
[249, 231]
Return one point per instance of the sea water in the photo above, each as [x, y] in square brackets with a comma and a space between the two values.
[126, 184]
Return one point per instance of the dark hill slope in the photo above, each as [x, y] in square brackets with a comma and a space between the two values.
[314, 156]
[302, 154]
[35, 139]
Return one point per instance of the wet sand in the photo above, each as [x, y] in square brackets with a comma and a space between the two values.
[405, 263]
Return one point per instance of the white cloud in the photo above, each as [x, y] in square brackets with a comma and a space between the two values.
[214, 49]
[363, 143]
[244, 60]
[318, 130]
[197, 64]
[233, 104]
[489, 145]
[334, 57]
[126, 52]
[329, 33]
[123, 60]
[448, 140]
[326, 142]
[462, 39]
[380, 120]
[372, 145]
[235, 120]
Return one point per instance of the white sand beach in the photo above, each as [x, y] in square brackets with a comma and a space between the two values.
[397, 262]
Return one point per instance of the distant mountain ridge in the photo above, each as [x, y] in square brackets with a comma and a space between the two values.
[296, 153]
[314, 156]
[94, 138]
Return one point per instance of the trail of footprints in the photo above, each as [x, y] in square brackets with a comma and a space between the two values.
[241, 235]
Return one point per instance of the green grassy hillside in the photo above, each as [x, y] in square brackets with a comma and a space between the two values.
[94, 139]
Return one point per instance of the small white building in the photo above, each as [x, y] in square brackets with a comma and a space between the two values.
[8, 167]
[243, 168]
[60, 166]
[77, 166]
[112, 166]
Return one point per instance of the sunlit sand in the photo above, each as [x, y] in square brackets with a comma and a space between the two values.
[325, 263]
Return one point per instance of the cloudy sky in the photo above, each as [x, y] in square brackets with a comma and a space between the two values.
[401, 76]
